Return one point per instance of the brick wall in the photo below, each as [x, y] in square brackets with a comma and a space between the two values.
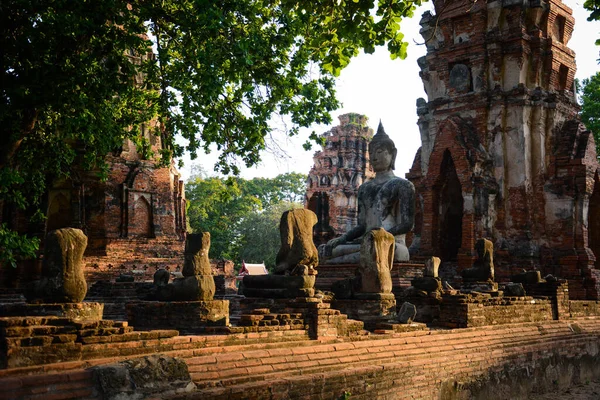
[459, 312]
[402, 274]
[479, 363]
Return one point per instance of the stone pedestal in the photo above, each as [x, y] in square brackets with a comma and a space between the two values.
[181, 315]
[278, 286]
[75, 311]
[371, 308]
[427, 284]
[483, 287]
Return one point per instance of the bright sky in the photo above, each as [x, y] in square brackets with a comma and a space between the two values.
[387, 90]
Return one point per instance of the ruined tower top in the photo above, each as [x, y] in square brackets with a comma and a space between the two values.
[341, 166]
[497, 45]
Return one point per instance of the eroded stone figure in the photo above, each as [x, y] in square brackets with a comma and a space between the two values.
[386, 201]
[297, 254]
[63, 280]
[376, 260]
[483, 267]
[197, 283]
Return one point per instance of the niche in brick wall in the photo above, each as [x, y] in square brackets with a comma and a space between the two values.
[563, 76]
[322, 231]
[450, 209]
[558, 29]
[140, 216]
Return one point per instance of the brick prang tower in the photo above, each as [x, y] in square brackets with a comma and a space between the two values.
[340, 168]
[504, 155]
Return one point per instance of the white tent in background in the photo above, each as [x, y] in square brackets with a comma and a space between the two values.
[252, 269]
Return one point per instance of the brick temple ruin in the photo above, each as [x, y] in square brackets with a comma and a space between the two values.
[504, 155]
[341, 166]
[135, 219]
[490, 167]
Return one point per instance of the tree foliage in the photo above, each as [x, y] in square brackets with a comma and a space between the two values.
[593, 6]
[259, 234]
[589, 93]
[77, 79]
[289, 187]
[242, 215]
[217, 206]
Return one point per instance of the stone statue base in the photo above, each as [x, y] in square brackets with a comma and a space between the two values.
[278, 286]
[180, 315]
[427, 283]
[74, 311]
[370, 308]
[484, 287]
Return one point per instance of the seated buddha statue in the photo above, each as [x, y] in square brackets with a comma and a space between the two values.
[385, 201]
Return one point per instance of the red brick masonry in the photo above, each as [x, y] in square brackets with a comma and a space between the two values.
[422, 364]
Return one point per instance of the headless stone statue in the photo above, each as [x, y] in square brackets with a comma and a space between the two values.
[297, 254]
[63, 280]
[376, 260]
[198, 283]
[385, 201]
[483, 267]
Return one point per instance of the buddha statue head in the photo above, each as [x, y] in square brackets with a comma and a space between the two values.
[382, 151]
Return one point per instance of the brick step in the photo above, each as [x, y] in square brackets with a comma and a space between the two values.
[400, 341]
[461, 342]
[44, 387]
[36, 330]
[11, 322]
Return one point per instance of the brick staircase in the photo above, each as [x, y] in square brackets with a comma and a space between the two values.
[10, 296]
[138, 256]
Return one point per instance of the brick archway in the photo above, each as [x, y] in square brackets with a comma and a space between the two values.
[449, 203]
[448, 178]
[319, 204]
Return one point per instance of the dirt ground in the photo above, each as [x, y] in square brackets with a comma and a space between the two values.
[584, 391]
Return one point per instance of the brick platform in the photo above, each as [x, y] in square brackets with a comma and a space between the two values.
[75, 311]
[484, 362]
[181, 315]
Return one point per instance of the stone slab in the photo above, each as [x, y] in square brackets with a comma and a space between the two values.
[479, 287]
[400, 328]
[76, 311]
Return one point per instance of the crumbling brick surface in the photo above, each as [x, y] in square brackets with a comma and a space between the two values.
[485, 362]
[134, 218]
[503, 153]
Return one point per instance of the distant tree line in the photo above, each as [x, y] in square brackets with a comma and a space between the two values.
[242, 215]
